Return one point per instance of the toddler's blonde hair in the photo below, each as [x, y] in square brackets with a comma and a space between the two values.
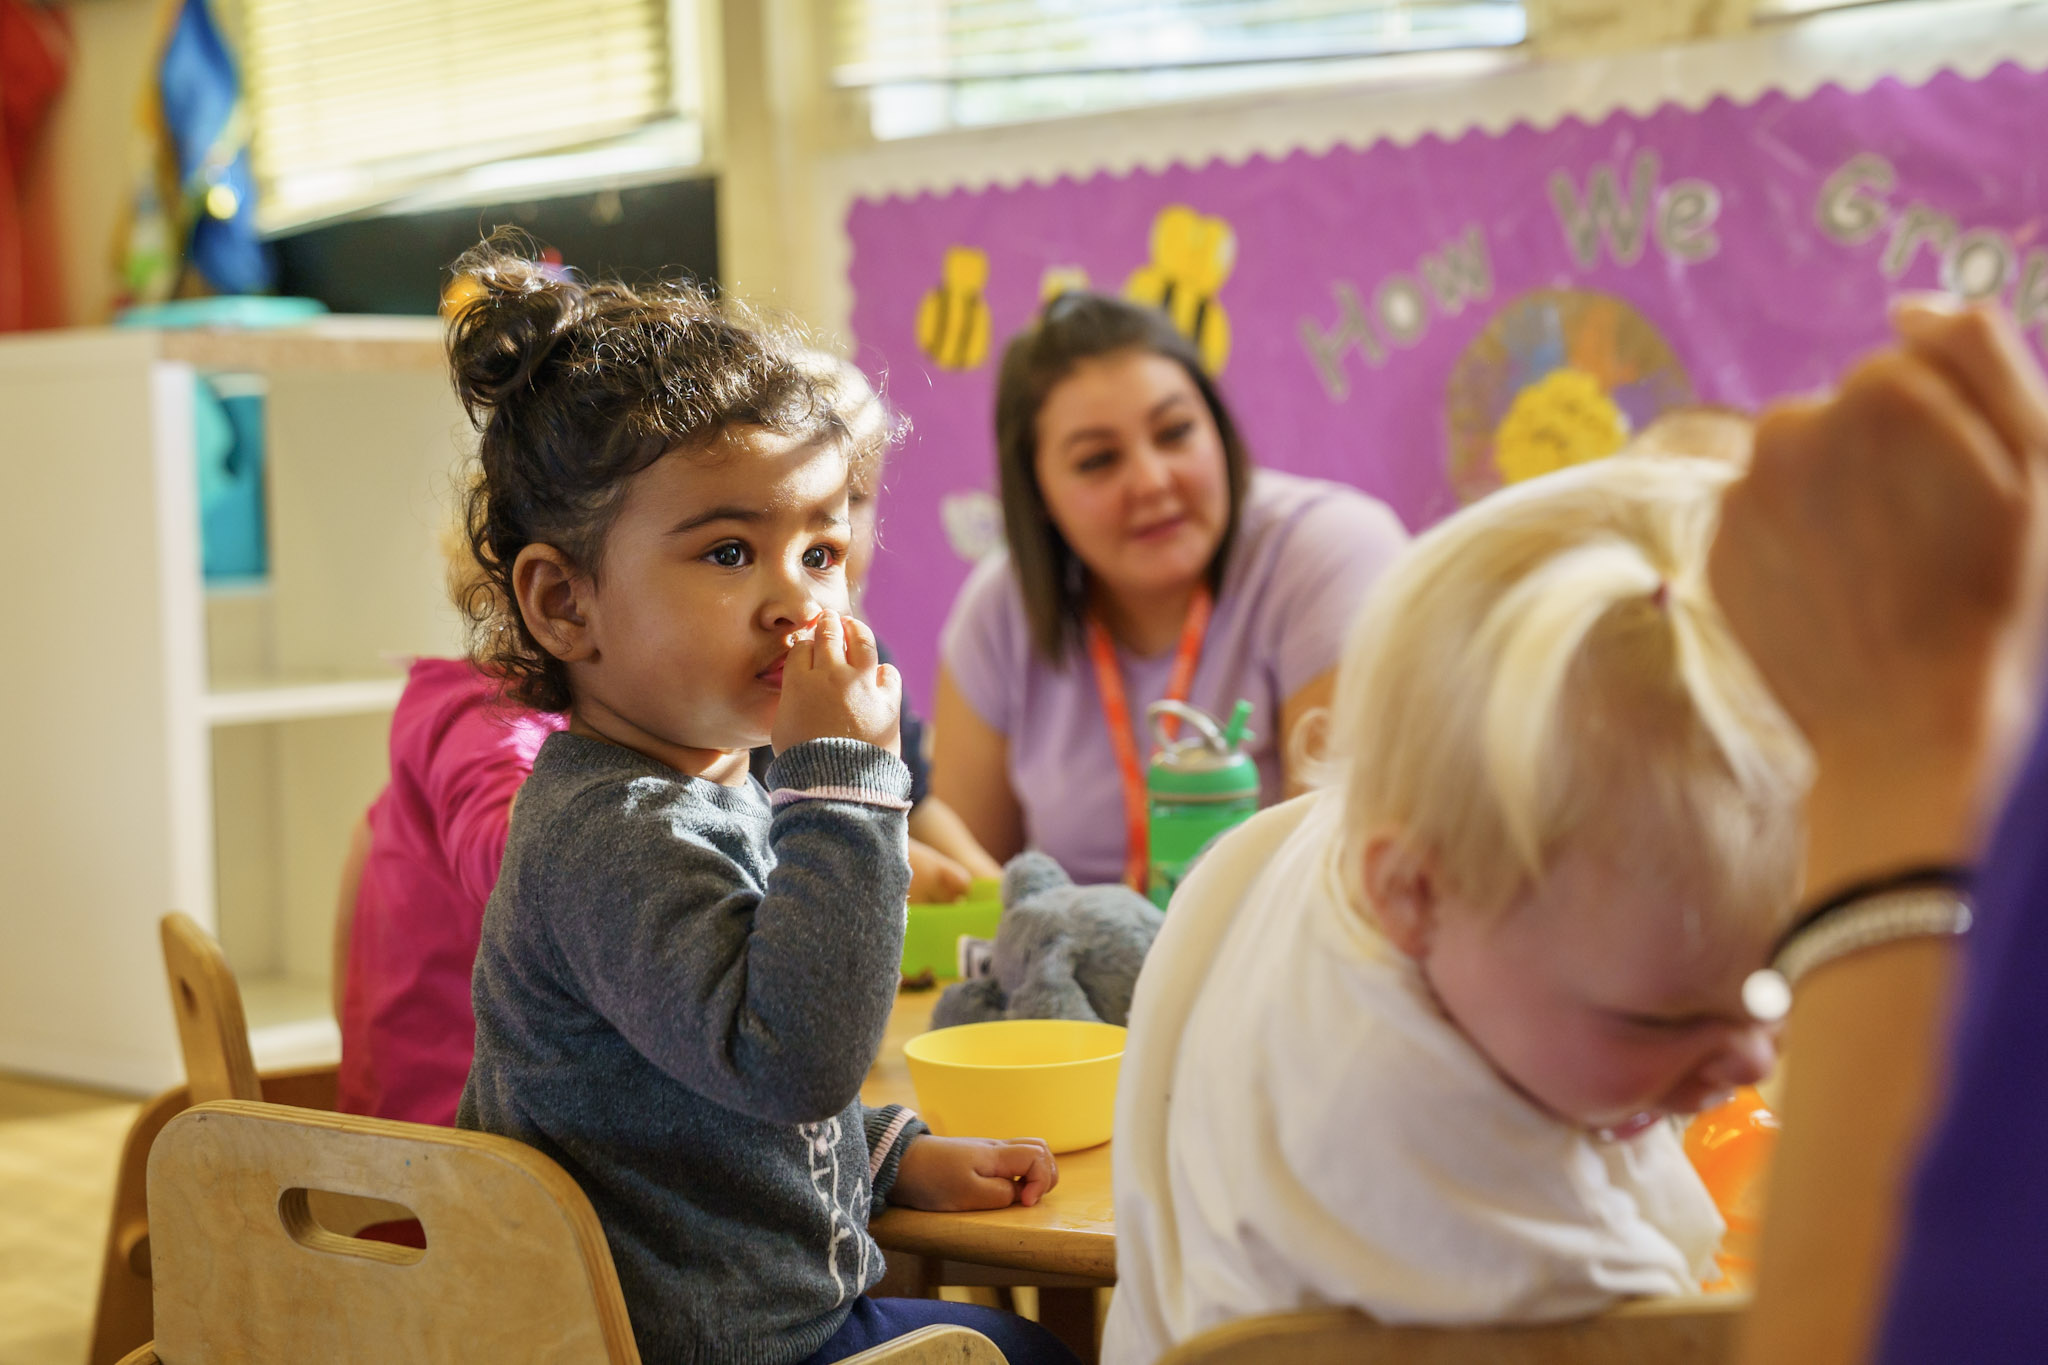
[1710, 431]
[871, 428]
[1546, 667]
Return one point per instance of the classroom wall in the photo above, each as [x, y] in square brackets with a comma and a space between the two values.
[791, 148]
[792, 153]
[1640, 66]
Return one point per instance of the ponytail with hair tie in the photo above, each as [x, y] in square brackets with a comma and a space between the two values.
[1550, 664]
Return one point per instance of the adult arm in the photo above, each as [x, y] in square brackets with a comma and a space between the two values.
[1882, 562]
[1334, 553]
[1304, 728]
[971, 772]
[1868, 1034]
[938, 826]
[1868, 1037]
[935, 879]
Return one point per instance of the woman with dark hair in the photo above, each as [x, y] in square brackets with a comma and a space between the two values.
[1146, 558]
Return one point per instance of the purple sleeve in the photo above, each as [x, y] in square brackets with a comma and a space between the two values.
[1974, 1256]
[1337, 549]
[985, 645]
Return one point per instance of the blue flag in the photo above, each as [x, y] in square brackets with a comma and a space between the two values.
[208, 124]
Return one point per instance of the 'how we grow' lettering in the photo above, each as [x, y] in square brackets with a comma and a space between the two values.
[1856, 208]
[1599, 218]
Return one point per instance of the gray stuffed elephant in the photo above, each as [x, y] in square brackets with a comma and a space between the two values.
[1061, 951]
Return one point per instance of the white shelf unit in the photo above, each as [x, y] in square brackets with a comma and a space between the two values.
[256, 705]
[174, 747]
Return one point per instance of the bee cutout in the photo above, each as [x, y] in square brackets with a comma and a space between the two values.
[952, 320]
[1192, 255]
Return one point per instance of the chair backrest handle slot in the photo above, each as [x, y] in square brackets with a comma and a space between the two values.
[302, 1225]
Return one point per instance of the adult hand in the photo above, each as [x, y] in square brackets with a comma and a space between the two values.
[834, 685]
[1883, 561]
[948, 1175]
[935, 879]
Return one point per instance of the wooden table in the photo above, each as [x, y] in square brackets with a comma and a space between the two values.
[1065, 1244]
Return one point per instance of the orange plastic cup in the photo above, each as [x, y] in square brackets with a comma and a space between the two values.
[1730, 1146]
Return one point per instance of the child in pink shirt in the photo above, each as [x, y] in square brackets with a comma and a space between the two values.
[437, 836]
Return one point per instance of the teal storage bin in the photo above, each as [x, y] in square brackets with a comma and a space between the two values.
[233, 541]
[225, 310]
[228, 414]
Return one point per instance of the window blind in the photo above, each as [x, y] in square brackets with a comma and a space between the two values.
[887, 42]
[360, 101]
[1793, 9]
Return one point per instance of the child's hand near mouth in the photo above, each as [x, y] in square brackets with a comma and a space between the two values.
[834, 685]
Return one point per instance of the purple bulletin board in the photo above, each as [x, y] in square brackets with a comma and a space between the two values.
[1426, 321]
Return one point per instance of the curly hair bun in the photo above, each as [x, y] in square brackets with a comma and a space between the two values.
[515, 320]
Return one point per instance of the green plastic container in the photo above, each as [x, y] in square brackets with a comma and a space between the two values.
[1198, 786]
[931, 935]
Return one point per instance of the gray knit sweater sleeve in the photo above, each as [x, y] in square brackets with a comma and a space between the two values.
[679, 991]
[889, 1130]
[760, 982]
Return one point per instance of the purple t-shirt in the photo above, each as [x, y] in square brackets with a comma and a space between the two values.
[1972, 1282]
[1305, 553]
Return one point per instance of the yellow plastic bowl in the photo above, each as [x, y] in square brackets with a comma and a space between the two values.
[1044, 1078]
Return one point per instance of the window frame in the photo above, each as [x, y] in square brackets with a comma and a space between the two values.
[669, 145]
[883, 102]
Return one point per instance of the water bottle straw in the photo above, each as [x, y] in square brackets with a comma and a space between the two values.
[1233, 729]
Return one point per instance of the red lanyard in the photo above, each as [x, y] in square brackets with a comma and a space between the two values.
[1116, 709]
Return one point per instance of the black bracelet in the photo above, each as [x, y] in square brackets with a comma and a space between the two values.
[1954, 876]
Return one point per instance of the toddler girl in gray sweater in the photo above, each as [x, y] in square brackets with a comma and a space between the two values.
[685, 975]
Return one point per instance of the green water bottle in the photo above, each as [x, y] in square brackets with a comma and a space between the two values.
[1199, 785]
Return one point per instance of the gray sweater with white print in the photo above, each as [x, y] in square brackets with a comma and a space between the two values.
[680, 989]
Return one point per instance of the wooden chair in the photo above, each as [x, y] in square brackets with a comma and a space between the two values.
[213, 1036]
[516, 1267]
[122, 1318]
[213, 1033]
[1652, 1332]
